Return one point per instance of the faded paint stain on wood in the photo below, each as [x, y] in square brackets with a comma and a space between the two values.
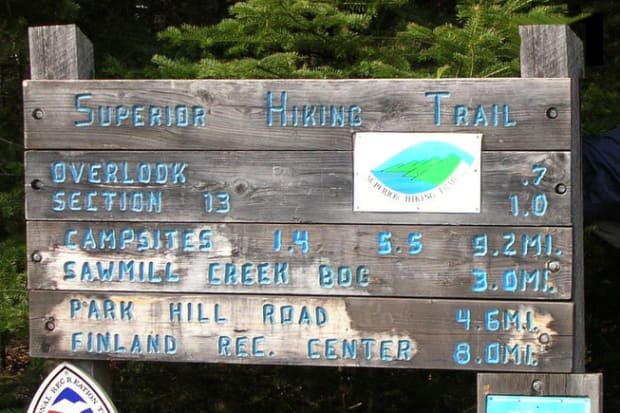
[352, 260]
[331, 331]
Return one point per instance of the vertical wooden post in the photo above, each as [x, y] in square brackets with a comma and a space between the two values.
[65, 53]
[60, 53]
[556, 51]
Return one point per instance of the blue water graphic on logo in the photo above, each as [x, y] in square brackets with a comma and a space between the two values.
[421, 167]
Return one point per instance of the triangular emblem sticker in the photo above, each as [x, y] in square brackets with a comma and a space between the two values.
[67, 389]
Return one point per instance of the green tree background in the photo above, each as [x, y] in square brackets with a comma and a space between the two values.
[295, 39]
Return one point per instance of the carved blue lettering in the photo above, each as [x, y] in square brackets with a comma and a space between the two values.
[230, 274]
[330, 349]
[136, 345]
[480, 117]
[89, 204]
[75, 307]
[69, 233]
[126, 236]
[76, 341]
[355, 116]
[110, 172]
[58, 172]
[281, 273]
[509, 280]
[198, 113]
[58, 201]
[246, 273]
[304, 316]
[276, 109]
[386, 350]
[144, 173]
[107, 239]
[312, 353]
[136, 112]
[368, 343]
[217, 316]
[262, 273]
[74, 201]
[105, 116]
[154, 115]
[508, 123]
[437, 104]
[461, 115]
[336, 115]
[68, 269]
[93, 173]
[181, 116]
[241, 346]
[308, 115]
[224, 346]
[212, 278]
[175, 312]
[178, 176]
[81, 107]
[349, 349]
[76, 170]
[121, 114]
[286, 314]
[404, 350]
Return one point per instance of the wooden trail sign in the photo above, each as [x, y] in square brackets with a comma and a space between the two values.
[222, 221]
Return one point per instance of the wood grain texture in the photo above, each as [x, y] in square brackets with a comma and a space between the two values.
[277, 186]
[423, 261]
[64, 52]
[551, 51]
[556, 51]
[541, 333]
[579, 385]
[236, 114]
[60, 52]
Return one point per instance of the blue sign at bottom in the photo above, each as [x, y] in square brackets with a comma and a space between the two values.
[537, 404]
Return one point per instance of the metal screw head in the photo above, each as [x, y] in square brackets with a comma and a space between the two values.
[552, 113]
[537, 386]
[560, 189]
[544, 338]
[36, 256]
[37, 114]
[553, 266]
[36, 184]
[50, 325]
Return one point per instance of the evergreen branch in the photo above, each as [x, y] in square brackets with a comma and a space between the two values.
[10, 142]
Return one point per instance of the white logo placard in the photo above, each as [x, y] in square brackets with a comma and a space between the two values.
[67, 389]
[417, 172]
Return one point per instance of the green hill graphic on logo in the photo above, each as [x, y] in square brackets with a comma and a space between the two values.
[421, 167]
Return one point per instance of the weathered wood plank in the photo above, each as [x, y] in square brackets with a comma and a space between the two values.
[528, 384]
[64, 52]
[368, 260]
[551, 51]
[235, 115]
[556, 51]
[274, 186]
[60, 52]
[479, 335]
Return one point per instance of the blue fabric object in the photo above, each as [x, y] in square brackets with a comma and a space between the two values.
[601, 177]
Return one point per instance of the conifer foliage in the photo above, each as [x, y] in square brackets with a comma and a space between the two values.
[340, 39]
